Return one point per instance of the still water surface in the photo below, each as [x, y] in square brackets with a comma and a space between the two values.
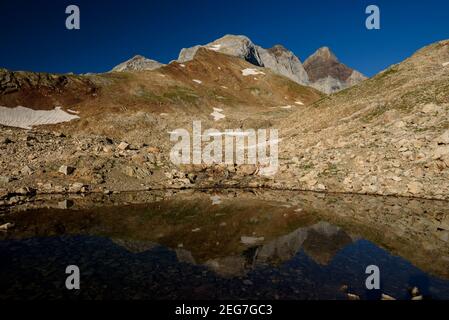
[228, 244]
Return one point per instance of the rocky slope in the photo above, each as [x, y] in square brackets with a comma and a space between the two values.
[137, 63]
[140, 109]
[327, 74]
[388, 135]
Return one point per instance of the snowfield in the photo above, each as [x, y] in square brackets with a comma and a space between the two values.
[299, 103]
[215, 47]
[197, 81]
[217, 114]
[446, 64]
[26, 118]
[251, 72]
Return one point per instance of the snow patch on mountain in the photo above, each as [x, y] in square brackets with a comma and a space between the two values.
[26, 118]
[251, 72]
[217, 114]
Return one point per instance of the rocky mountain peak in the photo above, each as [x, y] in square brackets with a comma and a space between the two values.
[324, 53]
[137, 63]
[327, 74]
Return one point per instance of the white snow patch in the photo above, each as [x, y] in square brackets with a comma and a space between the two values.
[224, 87]
[286, 107]
[217, 114]
[197, 81]
[26, 118]
[182, 65]
[251, 72]
[73, 111]
[219, 68]
[215, 47]
[299, 102]
[446, 64]
[163, 114]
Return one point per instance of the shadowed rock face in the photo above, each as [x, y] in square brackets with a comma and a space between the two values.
[138, 63]
[327, 74]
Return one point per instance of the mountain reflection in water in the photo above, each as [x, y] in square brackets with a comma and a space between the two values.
[225, 245]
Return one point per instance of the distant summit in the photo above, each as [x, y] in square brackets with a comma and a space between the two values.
[327, 74]
[138, 63]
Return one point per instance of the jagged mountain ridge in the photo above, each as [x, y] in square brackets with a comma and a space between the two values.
[277, 59]
[327, 74]
[322, 70]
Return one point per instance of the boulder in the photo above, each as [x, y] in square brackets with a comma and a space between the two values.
[66, 170]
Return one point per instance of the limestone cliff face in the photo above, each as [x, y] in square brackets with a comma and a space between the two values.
[284, 62]
[278, 59]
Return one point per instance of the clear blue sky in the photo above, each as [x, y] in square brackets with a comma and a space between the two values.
[33, 34]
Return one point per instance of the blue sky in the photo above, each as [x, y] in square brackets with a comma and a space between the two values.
[33, 34]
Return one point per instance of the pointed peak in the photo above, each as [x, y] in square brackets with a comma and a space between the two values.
[278, 48]
[325, 53]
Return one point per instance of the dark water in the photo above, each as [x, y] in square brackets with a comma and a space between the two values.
[190, 246]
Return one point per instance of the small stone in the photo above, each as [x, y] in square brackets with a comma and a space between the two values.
[76, 187]
[247, 282]
[415, 292]
[414, 187]
[24, 191]
[123, 146]
[444, 138]
[66, 170]
[6, 141]
[352, 296]
[153, 150]
[26, 170]
[386, 297]
[430, 108]
[6, 226]
[5, 179]
[65, 204]
[59, 134]
[251, 240]
[108, 149]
